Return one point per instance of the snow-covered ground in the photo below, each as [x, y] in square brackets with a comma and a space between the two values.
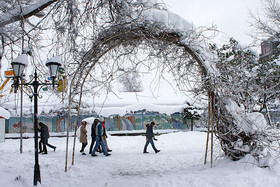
[180, 163]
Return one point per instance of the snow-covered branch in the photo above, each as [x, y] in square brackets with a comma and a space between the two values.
[22, 13]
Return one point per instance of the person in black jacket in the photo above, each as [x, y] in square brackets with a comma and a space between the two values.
[44, 130]
[93, 134]
[149, 138]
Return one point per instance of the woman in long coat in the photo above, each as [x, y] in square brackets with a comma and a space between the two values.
[83, 137]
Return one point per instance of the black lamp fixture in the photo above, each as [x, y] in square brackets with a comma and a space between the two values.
[18, 66]
[53, 65]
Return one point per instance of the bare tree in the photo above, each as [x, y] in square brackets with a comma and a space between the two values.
[130, 80]
[266, 24]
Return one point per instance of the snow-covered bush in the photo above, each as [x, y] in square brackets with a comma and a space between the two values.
[239, 91]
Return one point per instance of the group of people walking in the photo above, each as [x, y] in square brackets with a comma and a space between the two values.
[98, 138]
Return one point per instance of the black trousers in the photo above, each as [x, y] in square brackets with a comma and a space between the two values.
[83, 147]
[45, 143]
[93, 139]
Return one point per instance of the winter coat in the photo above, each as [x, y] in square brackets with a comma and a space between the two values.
[83, 135]
[93, 127]
[44, 131]
[149, 131]
[99, 129]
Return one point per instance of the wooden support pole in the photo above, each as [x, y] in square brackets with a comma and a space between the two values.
[212, 126]
[74, 145]
[208, 127]
[76, 127]
[67, 141]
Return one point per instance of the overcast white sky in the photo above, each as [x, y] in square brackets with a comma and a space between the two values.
[230, 16]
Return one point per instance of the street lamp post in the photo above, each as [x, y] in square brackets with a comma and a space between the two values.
[18, 66]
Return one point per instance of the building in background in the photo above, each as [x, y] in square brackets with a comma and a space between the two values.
[269, 48]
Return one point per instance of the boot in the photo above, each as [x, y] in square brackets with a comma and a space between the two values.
[45, 152]
[45, 149]
[40, 148]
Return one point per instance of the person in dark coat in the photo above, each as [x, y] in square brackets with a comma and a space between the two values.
[44, 133]
[149, 138]
[93, 134]
[99, 139]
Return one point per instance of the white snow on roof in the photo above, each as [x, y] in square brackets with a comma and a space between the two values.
[167, 109]
[4, 113]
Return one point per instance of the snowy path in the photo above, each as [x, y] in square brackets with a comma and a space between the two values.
[180, 163]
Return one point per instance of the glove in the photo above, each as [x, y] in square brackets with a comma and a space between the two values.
[155, 139]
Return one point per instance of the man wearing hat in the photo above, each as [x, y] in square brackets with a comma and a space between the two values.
[99, 139]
